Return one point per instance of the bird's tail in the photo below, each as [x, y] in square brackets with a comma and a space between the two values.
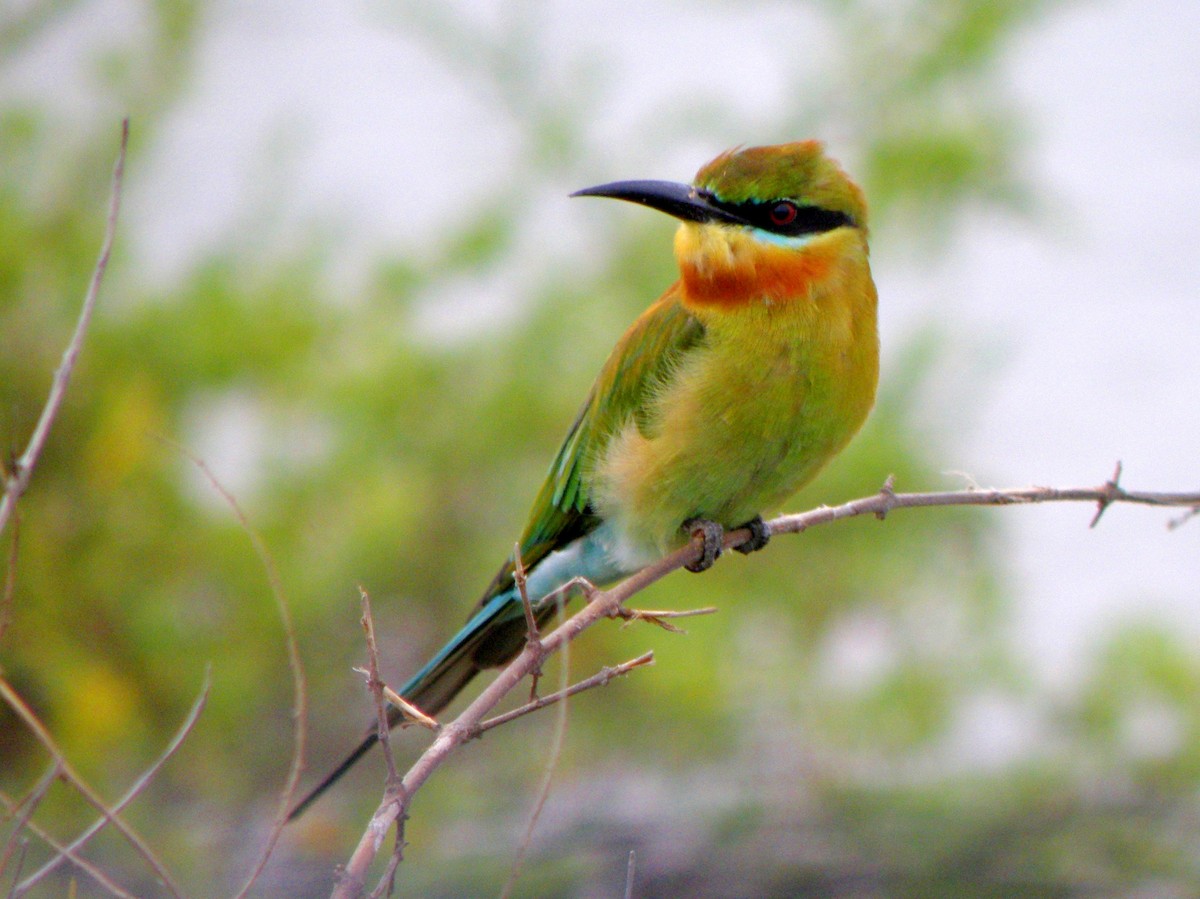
[493, 635]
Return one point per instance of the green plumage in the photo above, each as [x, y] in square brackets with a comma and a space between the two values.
[724, 397]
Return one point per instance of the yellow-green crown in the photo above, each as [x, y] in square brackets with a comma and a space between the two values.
[798, 171]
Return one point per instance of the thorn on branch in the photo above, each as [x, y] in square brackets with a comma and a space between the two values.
[1176, 523]
[968, 479]
[409, 710]
[1109, 494]
[887, 496]
[659, 617]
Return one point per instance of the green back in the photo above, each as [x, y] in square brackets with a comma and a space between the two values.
[643, 358]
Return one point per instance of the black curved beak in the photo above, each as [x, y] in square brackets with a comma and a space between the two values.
[680, 200]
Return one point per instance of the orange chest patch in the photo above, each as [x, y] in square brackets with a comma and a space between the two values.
[761, 274]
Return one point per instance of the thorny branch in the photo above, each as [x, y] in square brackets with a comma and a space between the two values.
[380, 692]
[610, 603]
[376, 685]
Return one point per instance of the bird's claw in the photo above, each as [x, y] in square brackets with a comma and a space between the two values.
[713, 535]
[760, 535]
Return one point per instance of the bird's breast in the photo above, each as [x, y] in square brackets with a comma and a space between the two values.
[727, 268]
[779, 385]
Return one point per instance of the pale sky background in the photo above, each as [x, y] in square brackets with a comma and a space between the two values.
[1087, 317]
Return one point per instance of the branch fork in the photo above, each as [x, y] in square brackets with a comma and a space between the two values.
[610, 603]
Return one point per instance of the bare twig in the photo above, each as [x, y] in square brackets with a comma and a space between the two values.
[375, 685]
[659, 616]
[608, 603]
[295, 666]
[138, 786]
[352, 878]
[82, 863]
[35, 725]
[531, 627]
[16, 482]
[26, 807]
[22, 851]
[533, 636]
[387, 882]
[464, 726]
[599, 679]
[887, 500]
[353, 882]
[630, 871]
[556, 745]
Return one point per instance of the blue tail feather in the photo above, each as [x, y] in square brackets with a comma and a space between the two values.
[491, 637]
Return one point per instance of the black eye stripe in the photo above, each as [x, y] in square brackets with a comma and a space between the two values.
[808, 219]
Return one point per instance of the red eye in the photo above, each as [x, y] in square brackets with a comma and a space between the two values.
[783, 213]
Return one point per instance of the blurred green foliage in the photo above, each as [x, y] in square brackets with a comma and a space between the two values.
[807, 739]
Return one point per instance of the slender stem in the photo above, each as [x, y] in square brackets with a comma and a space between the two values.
[17, 481]
[72, 848]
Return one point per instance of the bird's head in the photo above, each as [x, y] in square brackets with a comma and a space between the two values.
[761, 223]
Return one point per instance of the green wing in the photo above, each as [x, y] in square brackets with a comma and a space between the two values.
[643, 358]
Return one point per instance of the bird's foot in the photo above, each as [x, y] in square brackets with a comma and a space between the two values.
[760, 535]
[713, 535]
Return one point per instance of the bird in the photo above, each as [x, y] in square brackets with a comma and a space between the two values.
[722, 399]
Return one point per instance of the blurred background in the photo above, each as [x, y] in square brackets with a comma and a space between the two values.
[348, 277]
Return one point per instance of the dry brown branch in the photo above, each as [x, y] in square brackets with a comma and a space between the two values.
[533, 635]
[82, 863]
[883, 502]
[68, 773]
[376, 685]
[16, 482]
[24, 849]
[609, 603]
[599, 679]
[138, 786]
[466, 724]
[380, 691]
[556, 745]
[295, 666]
[387, 883]
[353, 877]
[352, 880]
[24, 809]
